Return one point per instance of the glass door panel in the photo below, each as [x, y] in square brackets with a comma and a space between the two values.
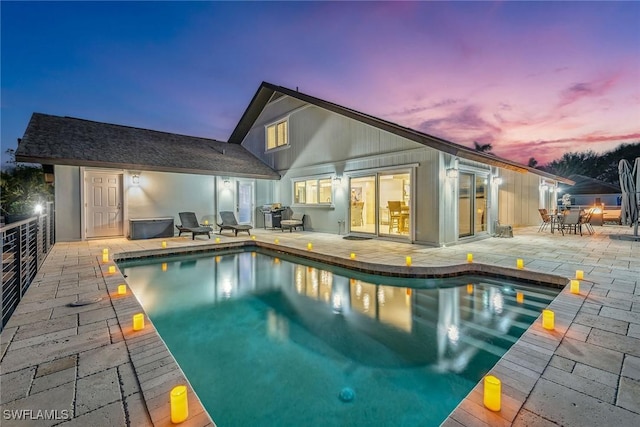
[362, 206]
[480, 205]
[245, 202]
[394, 207]
[465, 204]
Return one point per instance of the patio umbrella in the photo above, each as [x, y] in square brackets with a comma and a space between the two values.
[636, 174]
[629, 208]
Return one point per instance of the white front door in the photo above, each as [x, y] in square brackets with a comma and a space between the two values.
[103, 204]
[245, 202]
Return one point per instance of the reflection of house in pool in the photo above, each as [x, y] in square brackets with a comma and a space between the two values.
[336, 165]
[443, 328]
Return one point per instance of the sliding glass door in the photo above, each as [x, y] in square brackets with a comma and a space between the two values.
[381, 205]
[472, 204]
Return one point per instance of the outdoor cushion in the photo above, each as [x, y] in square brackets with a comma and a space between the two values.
[297, 220]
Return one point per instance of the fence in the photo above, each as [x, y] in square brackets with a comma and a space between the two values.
[25, 245]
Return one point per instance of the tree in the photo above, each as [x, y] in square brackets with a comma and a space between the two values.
[22, 188]
[483, 148]
[532, 162]
[603, 167]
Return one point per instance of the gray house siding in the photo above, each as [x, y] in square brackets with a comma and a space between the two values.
[325, 143]
[519, 199]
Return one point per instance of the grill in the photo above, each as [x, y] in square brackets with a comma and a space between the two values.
[272, 215]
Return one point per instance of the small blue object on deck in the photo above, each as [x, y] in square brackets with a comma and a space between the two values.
[347, 394]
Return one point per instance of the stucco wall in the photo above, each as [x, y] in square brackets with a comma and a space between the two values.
[166, 194]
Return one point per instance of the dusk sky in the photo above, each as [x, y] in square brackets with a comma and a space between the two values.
[534, 79]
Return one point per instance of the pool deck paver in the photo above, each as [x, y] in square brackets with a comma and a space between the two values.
[89, 362]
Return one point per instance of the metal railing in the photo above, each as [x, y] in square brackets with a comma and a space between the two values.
[25, 245]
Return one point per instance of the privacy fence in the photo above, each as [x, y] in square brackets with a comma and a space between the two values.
[25, 245]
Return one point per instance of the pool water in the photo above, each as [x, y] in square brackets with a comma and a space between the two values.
[270, 340]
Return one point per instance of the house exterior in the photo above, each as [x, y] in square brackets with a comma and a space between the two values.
[348, 172]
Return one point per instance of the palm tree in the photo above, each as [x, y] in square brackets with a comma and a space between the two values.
[483, 148]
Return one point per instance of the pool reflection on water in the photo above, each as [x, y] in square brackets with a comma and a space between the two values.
[266, 339]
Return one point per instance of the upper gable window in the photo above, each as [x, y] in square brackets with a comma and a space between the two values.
[278, 134]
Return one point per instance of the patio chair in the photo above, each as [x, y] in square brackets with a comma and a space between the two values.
[190, 225]
[546, 219]
[229, 223]
[572, 222]
[296, 220]
[586, 220]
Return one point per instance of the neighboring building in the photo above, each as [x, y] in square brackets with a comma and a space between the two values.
[590, 191]
[347, 171]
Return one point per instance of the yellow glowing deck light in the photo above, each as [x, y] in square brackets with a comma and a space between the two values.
[164, 266]
[105, 251]
[520, 263]
[469, 257]
[407, 260]
[164, 244]
[218, 259]
[277, 241]
[352, 255]
[206, 222]
[217, 240]
[492, 393]
[548, 319]
[179, 404]
[575, 286]
[519, 297]
[138, 322]
[122, 289]
[105, 257]
[469, 288]
[253, 254]
[309, 246]
[112, 269]
[253, 237]
[579, 274]
[276, 260]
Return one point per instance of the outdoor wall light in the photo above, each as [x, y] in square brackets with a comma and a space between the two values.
[37, 209]
[544, 187]
[452, 173]
[135, 178]
[497, 180]
[227, 183]
[337, 180]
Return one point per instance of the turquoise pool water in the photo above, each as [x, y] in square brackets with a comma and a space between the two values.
[270, 340]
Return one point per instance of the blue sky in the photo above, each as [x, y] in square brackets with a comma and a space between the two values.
[532, 78]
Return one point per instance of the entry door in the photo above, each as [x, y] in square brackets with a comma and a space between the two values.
[103, 204]
[245, 202]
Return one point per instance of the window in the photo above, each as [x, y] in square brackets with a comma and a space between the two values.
[313, 192]
[277, 135]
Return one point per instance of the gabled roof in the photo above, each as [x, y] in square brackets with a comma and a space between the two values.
[588, 185]
[267, 90]
[70, 141]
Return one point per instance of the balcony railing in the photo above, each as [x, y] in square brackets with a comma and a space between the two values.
[25, 245]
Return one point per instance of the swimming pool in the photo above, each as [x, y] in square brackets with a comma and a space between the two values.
[267, 339]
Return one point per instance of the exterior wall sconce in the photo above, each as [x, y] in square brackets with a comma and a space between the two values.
[544, 187]
[135, 178]
[227, 183]
[497, 180]
[337, 180]
[453, 172]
